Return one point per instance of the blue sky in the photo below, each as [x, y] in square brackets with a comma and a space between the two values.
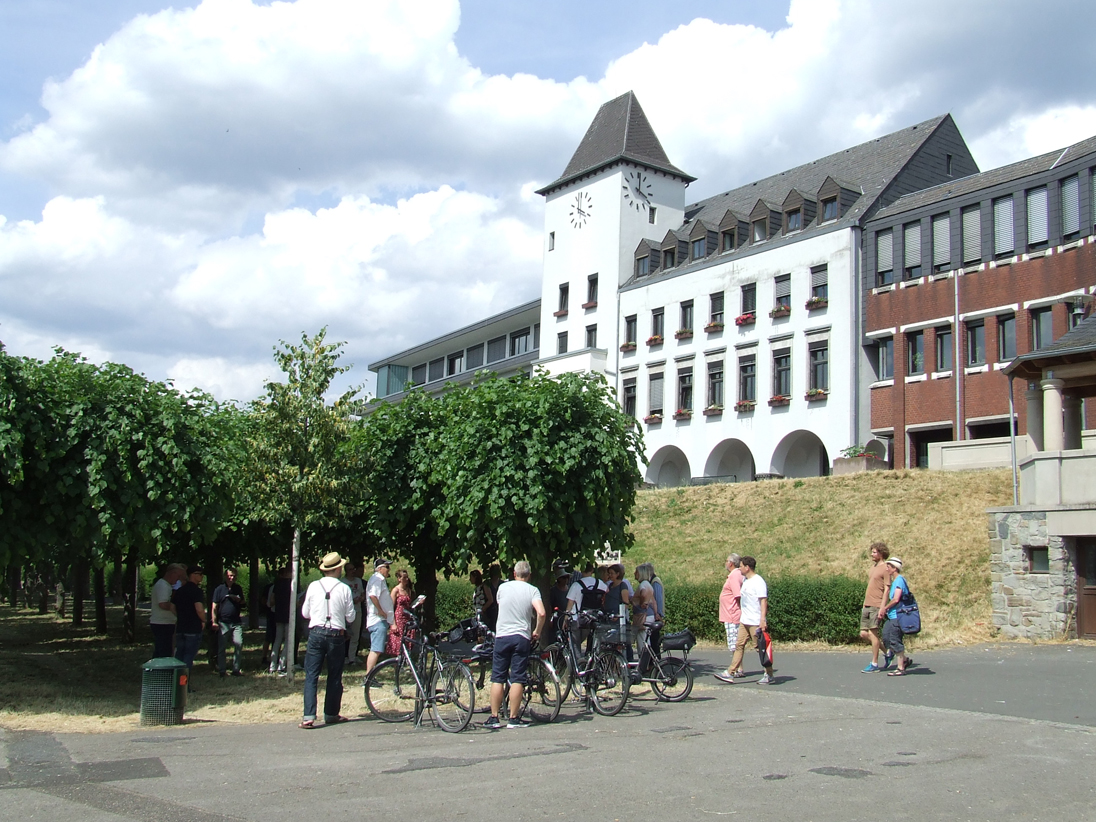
[180, 188]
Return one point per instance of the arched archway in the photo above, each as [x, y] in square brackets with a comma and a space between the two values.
[801, 454]
[669, 467]
[731, 458]
[877, 448]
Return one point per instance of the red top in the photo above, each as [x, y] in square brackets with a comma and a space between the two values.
[730, 609]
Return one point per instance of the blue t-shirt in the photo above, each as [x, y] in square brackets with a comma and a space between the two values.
[898, 584]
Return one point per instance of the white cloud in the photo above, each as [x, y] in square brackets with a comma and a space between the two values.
[1033, 134]
[224, 378]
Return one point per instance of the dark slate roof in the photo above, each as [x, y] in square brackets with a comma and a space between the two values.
[868, 167]
[988, 179]
[1076, 345]
[620, 131]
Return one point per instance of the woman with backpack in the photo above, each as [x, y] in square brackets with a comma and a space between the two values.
[892, 631]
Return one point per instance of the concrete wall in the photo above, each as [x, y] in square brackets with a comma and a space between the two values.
[1058, 478]
[992, 452]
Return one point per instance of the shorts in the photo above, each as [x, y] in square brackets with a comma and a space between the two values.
[732, 635]
[511, 659]
[892, 637]
[869, 618]
[378, 637]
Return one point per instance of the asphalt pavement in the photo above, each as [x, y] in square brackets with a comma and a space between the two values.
[1002, 732]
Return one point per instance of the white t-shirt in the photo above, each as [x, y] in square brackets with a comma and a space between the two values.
[574, 593]
[317, 607]
[378, 587]
[516, 612]
[754, 590]
[161, 592]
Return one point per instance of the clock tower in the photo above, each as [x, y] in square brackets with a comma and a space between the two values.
[618, 189]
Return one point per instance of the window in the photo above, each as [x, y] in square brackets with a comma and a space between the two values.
[643, 266]
[700, 249]
[782, 372]
[829, 209]
[519, 342]
[1006, 337]
[715, 384]
[631, 330]
[474, 356]
[687, 316]
[561, 342]
[782, 291]
[1037, 223]
[911, 251]
[630, 396]
[820, 365]
[496, 349]
[591, 336]
[658, 323]
[715, 315]
[820, 282]
[947, 164]
[972, 234]
[1042, 332]
[536, 336]
[651, 215]
[749, 298]
[885, 363]
[793, 220]
[551, 241]
[1038, 560]
[418, 374]
[436, 369]
[455, 364]
[668, 258]
[1071, 206]
[941, 242]
[1003, 242]
[747, 378]
[884, 257]
[727, 240]
[976, 342]
[915, 352]
[760, 230]
[685, 389]
[944, 349]
[591, 291]
[564, 299]
[654, 405]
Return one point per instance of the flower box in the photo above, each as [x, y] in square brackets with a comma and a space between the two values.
[745, 405]
[745, 319]
[780, 311]
[654, 339]
[815, 303]
[653, 419]
[683, 334]
[589, 305]
[779, 399]
[683, 414]
[713, 410]
[628, 346]
[713, 328]
[816, 394]
[561, 313]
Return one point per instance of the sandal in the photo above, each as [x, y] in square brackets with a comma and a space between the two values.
[307, 725]
[897, 672]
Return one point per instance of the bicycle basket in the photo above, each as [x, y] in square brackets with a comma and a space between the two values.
[681, 641]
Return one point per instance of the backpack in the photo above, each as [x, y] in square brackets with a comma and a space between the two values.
[592, 596]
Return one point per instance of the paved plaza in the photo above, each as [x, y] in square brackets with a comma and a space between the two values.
[1002, 732]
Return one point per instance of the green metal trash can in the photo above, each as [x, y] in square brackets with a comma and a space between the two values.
[163, 691]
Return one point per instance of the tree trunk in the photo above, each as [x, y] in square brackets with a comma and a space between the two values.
[79, 590]
[118, 580]
[215, 575]
[129, 599]
[426, 582]
[255, 590]
[13, 585]
[291, 632]
[100, 600]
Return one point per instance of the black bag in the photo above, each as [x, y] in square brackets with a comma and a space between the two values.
[907, 614]
[681, 641]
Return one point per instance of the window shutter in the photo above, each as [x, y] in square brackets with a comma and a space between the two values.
[656, 392]
[972, 234]
[884, 256]
[1002, 226]
[1071, 211]
[819, 276]
[783, 286]
[1037, 215]
[941, 240]
[912, 241]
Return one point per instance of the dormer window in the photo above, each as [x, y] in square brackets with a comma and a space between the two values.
[700, 249]
[829, 209]
[727, 241]
[643, 266]
[760, 230]
[793, 220]
[668, 259]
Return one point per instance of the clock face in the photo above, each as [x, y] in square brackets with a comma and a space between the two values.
[580, 209]
[637, 190]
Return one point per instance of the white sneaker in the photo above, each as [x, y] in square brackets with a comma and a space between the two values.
[766, 680]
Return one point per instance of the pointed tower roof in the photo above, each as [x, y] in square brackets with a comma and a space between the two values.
[620, 131]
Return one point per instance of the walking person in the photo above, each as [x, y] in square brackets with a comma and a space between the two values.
[379, 603]
[519, 602]
[871, 616]
[730, 612]
[754, 601]
[226, 612]
[189, 604]
[892, 633]
[162, 620]
[329, 608]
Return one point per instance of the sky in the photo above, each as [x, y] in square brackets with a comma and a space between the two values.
[183, 186]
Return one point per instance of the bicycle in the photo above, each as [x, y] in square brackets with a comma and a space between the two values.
[421, 677]
[600, 678]
[670, 677]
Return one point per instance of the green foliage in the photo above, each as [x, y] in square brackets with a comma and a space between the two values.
[454, 602]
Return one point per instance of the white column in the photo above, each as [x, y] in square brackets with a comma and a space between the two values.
[1034, 399]
[1071, 411]
[1053, 433]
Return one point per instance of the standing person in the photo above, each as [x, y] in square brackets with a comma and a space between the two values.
[483, 597]
[587, 593]
[162, 620]
[892, 633]
[379, 601]
[871, 616]
[518, 603]
[228, 605]
[754, 601]
[354, 630]
[280, 600]
[329, 608]
[491, 614]
[660, 595]
[270, 626]
[402, 597]
[189, 604]
[730, 612]
[643, 614]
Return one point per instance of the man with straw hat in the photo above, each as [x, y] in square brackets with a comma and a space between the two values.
[329, 608]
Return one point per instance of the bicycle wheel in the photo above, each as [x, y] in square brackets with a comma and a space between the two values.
[673, 679]
[541, 699]
[390, 691]
[610, 682]
[452, 696]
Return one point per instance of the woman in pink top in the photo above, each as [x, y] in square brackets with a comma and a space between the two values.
[730, 611]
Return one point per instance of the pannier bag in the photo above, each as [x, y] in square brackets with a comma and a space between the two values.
[681, 641]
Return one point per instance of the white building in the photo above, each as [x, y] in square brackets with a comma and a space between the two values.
[732, 327]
